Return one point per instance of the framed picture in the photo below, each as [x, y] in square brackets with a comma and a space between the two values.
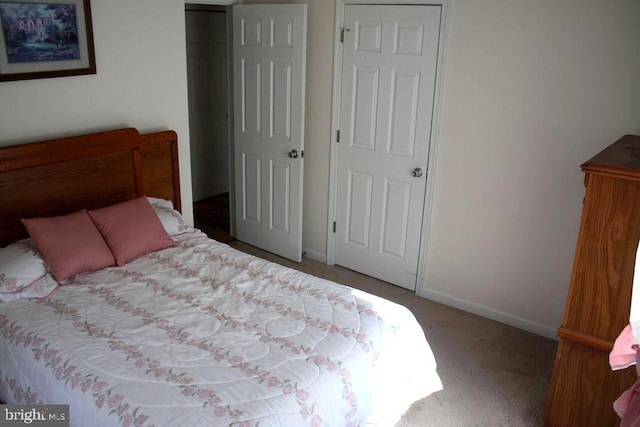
[45, 38]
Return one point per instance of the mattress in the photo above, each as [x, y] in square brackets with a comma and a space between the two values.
[202, 334]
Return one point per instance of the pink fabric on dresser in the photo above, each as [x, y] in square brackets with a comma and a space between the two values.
[131, 229]
[627, 406]
[70, 244]
[623, 355]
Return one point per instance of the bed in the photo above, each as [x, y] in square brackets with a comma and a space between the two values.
[195, 333]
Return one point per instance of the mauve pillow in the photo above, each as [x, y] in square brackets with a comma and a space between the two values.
[70, 244]
[131, 229]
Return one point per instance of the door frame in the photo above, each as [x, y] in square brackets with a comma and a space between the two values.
[335, 125]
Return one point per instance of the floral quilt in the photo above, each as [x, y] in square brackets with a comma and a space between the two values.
[201, 334]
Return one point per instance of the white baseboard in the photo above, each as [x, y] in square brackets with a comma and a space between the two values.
[489, 313]
[314, 255]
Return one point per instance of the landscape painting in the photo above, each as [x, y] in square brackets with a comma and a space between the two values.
[40, 32]
[45, 39]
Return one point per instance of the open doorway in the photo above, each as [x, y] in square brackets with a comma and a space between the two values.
[209, 112]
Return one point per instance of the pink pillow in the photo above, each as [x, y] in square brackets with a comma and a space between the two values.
[70, 244]
[131, 229]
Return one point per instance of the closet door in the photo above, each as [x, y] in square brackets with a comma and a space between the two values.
[388, 79]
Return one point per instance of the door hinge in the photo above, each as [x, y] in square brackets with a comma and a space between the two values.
[342, 30]
[334, 226]
[337, 136]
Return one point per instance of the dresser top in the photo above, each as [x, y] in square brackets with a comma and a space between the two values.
[620, 158]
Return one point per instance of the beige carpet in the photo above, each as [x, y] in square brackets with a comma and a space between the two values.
[493, 374]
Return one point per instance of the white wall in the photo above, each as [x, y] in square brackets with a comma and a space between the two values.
[141, 82]
[532, 89]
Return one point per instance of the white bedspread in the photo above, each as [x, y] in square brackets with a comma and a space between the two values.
[202, 334]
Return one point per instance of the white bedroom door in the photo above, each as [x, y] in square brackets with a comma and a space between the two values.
[388, 79]
[269, 59]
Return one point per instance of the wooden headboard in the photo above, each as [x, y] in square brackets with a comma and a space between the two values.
[61, 176]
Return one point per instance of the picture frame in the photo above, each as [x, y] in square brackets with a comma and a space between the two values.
[45, 38]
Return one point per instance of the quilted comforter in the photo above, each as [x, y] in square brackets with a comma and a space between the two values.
[202, 334]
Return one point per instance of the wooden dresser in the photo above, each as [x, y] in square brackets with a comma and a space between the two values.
[583, 386]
